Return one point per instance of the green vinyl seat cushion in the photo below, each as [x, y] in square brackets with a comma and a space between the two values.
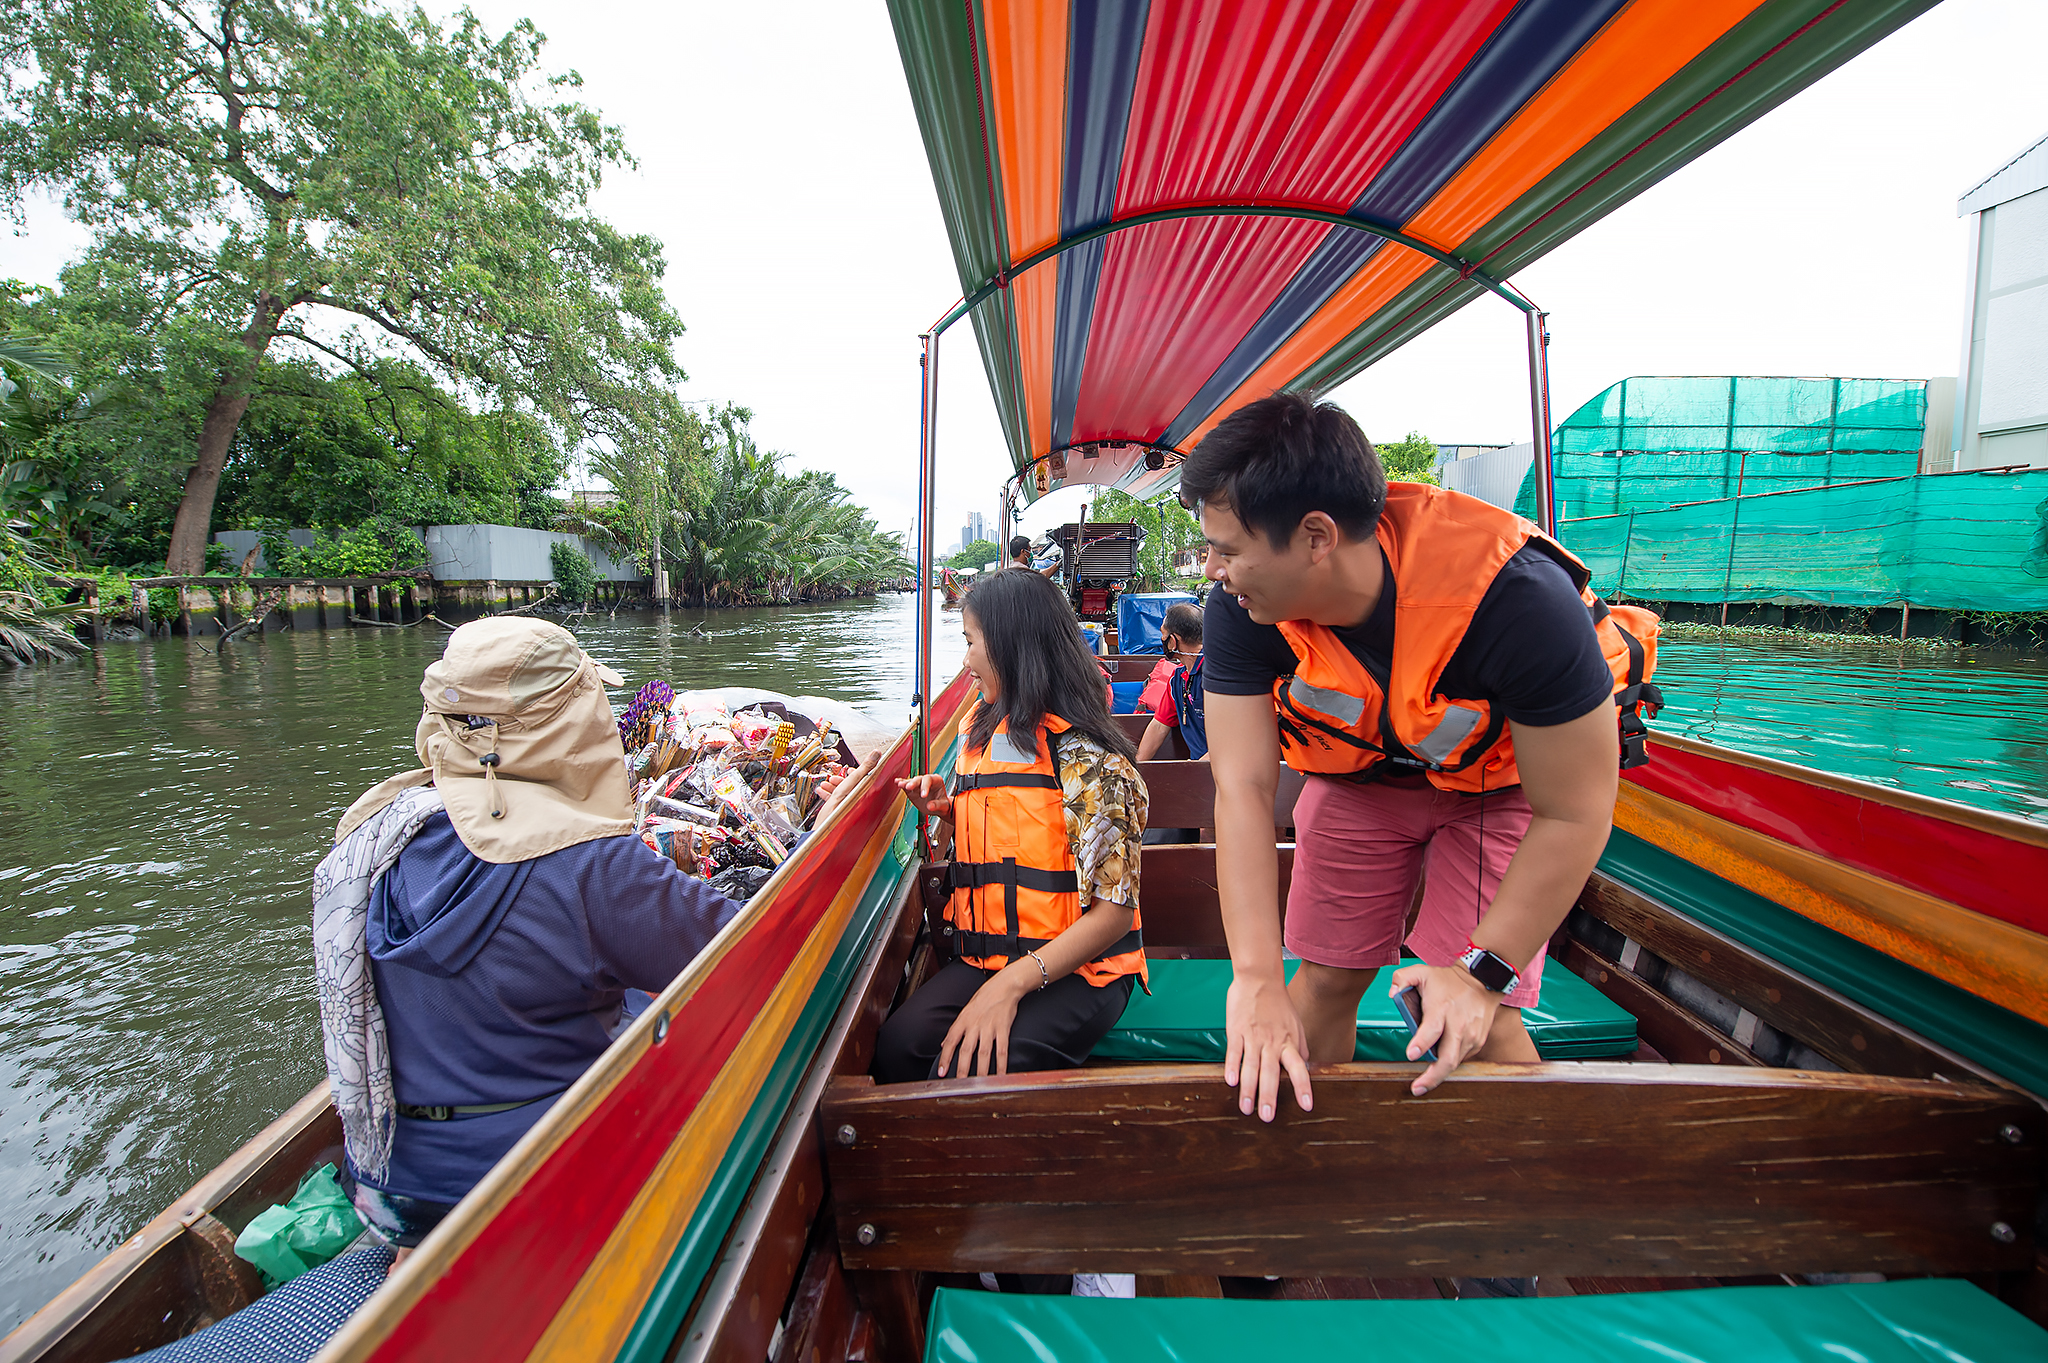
[1182, 1019]
[1928, 1320]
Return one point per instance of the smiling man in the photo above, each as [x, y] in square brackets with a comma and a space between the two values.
[1430, 660]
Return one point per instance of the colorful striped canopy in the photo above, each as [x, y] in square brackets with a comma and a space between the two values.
[1153, 196]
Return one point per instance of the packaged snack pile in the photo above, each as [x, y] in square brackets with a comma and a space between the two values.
[726, 796]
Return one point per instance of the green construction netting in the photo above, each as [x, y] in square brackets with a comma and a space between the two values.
[1613, 484]
[1958, 541]
[1649, 443]
[1791, 416]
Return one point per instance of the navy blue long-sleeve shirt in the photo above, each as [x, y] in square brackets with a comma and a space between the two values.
[502, 983]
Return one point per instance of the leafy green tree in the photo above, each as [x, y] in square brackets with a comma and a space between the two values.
[43, 483]
[575, 574]
[348, 180]
[979, 554]
[1409, 460]
[1168, 528]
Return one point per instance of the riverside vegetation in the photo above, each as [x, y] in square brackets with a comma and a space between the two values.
[342, 273]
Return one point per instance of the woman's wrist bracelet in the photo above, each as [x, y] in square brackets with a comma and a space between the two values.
[1044, 976]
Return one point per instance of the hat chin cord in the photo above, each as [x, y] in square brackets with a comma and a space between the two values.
[488, 761]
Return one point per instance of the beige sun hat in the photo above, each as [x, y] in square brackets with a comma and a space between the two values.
[520, 740]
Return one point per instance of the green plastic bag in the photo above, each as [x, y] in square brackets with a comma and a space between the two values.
[304, 1233]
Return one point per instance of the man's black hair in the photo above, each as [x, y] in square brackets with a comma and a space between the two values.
[1275, 460]
[1183, 622]
[1019, 544]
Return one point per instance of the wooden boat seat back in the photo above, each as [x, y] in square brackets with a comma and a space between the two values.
[1904, 1322]
[1183, 795]
[1181, 1020]
[1581, 1168]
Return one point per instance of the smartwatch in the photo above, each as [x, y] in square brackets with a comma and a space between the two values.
[1495, 974]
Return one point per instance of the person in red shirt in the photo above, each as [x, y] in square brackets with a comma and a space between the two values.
[1178, 703]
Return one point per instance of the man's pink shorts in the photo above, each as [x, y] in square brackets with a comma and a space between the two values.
[1359, 852]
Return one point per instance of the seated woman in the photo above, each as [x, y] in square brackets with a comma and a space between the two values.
[480, 920]
[1047, 813]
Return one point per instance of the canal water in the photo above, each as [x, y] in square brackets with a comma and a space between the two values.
[162, 808]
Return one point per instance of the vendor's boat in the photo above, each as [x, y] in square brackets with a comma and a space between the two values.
[1800, 1027]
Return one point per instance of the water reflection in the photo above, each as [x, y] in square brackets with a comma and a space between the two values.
[1955, 725]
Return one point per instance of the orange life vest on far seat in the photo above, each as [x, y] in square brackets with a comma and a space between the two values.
[1444, 550]
[1015, 886]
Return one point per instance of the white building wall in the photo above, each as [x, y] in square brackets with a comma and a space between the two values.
[1492, 475]
[473, 553]
[2002, 416]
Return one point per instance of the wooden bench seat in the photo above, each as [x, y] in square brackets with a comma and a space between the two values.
[1905, 1322]
[1182, 1019]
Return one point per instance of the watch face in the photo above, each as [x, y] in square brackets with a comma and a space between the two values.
[1491, 971]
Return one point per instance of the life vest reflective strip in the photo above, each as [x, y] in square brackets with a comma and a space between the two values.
[1015, 886]
[1337, 716]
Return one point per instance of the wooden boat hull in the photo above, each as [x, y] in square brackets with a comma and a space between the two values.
[682, 1202]
[592, 1237]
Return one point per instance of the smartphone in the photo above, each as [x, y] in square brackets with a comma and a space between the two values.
[1409, 1002]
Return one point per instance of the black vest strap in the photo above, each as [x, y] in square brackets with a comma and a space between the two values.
[983, 945]
[973, 875]
[993, 780]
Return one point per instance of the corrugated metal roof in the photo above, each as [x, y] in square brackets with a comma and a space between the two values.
[2022, 175]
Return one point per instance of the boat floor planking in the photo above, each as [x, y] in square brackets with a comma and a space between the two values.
[179, 1273]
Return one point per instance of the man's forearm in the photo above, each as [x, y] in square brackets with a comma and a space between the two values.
[1542, 882]
[1248, 878]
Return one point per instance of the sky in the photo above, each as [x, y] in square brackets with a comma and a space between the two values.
[780, 163]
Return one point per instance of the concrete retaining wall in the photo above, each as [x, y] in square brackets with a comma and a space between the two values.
[470, 553]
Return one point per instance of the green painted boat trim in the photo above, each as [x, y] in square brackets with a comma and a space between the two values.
[2002, 1042]
[661, 1319]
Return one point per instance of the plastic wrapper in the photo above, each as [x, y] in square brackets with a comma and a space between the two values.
[304, 1233]
[741, 882]
[782, 817]
[724, 783]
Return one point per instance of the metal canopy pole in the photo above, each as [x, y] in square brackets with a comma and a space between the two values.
[927, 469]
[1539, 418]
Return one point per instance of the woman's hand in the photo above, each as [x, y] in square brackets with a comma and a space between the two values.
[927, 793]
[982, 1030]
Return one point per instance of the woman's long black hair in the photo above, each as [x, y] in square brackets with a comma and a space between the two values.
[1034, 643]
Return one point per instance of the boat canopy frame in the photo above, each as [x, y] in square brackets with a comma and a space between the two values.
[1537, 323]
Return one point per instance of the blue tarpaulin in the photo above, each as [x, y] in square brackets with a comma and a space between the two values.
[1137, 619]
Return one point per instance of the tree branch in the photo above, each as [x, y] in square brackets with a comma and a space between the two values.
[377, 385]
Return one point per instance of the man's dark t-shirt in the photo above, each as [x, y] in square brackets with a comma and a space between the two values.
[1531, 651]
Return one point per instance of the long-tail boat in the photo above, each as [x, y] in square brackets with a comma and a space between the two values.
[1802, 1029]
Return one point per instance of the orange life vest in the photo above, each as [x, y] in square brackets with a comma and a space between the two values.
[1015, 886]
[1444, 550]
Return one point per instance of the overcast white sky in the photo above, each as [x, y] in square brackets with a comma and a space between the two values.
[781, 165]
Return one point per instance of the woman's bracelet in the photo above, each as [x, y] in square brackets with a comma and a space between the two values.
[1044, 976]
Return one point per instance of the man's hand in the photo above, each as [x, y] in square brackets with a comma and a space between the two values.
[981, 1032]
[1457, 1015]
[1264, 1036]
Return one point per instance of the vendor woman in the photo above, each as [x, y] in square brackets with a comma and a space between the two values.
[1046, 817]
[480, 919]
